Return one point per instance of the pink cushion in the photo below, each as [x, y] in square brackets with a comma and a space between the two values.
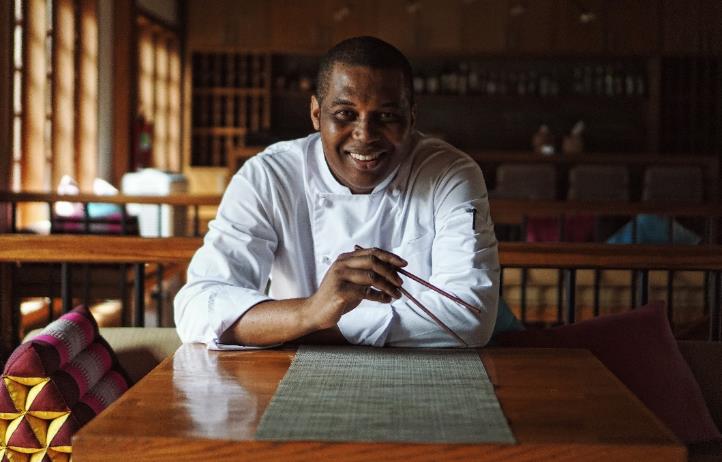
[577, 228]
[639, 348]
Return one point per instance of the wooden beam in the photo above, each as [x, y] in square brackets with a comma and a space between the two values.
[174, 199]
[124, 249]
[96, 249]
[123, 86]
[610, 256]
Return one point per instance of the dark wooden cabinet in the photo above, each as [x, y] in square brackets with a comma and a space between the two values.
[438, 26]
[580, 26]
[483, 26]
[632, 26]
[667, 51]
[397, 23]
[341, 19]
[531, 26]
[680, 33]
[295, 26]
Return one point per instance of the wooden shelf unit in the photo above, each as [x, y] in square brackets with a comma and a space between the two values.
[231, 97]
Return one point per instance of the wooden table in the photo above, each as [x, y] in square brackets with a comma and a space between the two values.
[205, 405]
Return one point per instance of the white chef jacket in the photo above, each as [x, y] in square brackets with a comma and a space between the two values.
[285, 215]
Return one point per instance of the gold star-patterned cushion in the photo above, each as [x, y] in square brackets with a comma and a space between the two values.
[28, 433]
[53, 385]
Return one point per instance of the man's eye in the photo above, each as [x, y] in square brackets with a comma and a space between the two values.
[344, 115]
[388, 117]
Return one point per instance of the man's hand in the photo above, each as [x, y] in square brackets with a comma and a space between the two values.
[369, 274]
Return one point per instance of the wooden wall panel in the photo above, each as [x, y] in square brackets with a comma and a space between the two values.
[207, 22]
[484, 25]
[397, 24]
[248, 24]
[680, 31]
[123, 89]
[439, 26]
[632, 26]
[573, 34]
[295, 26]
[532, 30]
[343, 19]
[711, 27]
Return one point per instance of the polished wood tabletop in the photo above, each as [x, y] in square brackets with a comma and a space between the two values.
[206, 405]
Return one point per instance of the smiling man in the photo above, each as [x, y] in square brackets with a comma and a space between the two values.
[296, 211]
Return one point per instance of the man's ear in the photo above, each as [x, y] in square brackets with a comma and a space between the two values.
[315, 113]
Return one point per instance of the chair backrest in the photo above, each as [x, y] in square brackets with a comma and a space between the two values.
[673, 183]
[598, 183]
[526, 181]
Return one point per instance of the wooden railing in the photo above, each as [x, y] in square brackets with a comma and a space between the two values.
[518, 212]
[503, 211]
[567, 258]
[194, 201]
[134, 256]
[23, 248]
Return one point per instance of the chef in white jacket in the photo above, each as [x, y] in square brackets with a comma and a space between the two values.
[296, 211]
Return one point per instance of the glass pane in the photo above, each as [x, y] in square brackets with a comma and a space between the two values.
[17, 92]
[17, 136]
[18, 47]
[49, 97]
[48, 132]
[49, 13]
[49, 51]
[16, 177]
[18, 10]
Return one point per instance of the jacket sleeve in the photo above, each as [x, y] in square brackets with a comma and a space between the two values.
[464, 262]
[228, 274]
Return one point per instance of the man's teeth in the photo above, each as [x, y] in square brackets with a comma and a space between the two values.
[364, 157]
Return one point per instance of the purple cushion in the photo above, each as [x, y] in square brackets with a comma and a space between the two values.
[54, 384]
[577, 228]
[639, 348]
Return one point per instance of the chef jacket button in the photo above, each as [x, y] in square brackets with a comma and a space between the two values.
[323, 202]
[326, 259]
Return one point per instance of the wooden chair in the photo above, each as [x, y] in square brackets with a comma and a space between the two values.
[598, 183]
[673, 184]
[525, 181]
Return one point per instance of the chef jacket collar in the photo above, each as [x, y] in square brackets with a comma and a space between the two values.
[320, 176]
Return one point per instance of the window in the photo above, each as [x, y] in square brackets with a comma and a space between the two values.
[54, 97]
[159, 91]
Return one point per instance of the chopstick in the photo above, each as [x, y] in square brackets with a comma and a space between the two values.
[429, 285]
[432, 316]
[426, 310]
[441, 291]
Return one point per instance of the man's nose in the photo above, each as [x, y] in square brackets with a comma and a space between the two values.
[365, 130]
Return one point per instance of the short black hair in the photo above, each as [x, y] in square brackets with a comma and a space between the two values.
[368, 52]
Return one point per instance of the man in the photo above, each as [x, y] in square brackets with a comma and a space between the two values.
[368, 178]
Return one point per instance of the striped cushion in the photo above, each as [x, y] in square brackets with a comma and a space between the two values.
[53, 385]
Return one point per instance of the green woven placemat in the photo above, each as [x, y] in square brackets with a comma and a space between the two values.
[385, 395]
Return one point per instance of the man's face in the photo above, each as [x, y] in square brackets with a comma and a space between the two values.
[366, 122]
